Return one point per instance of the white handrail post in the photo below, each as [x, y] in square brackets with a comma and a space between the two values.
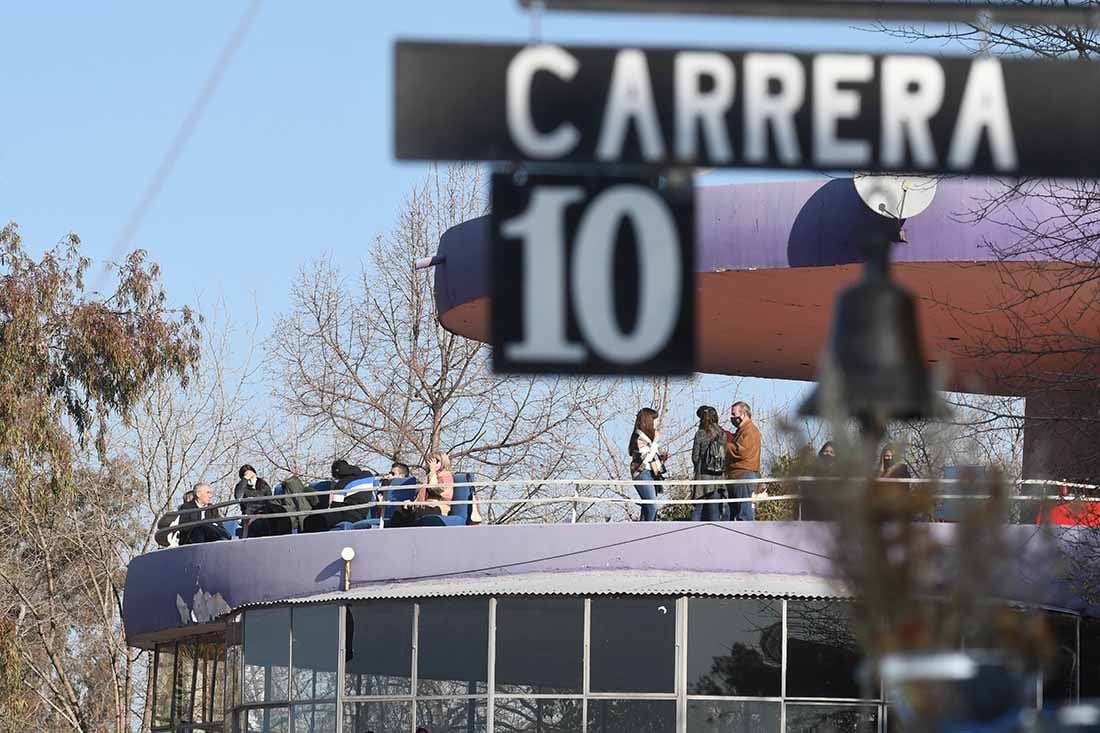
[573, 509]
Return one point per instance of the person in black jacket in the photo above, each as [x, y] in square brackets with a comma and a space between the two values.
[255, 524]
[355, 504]
[196, 510]
[708, 459]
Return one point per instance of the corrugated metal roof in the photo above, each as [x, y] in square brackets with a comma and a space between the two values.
[593, 583]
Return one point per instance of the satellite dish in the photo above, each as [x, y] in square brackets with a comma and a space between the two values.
[895, 197]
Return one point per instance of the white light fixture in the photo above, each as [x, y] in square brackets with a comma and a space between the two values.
[348, 554]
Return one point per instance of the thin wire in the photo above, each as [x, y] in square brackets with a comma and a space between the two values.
[534, 14]
[529, 561]
[183, 134]
[772, 542]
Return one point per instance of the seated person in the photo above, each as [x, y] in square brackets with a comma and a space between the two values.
[408, 515]
[439, 474]
[196, 510]
[252, 486]
[354, 502]
[397, 470]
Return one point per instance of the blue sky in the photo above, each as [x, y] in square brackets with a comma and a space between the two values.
[293, 156]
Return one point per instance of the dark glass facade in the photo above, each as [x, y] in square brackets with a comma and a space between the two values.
[549, 664]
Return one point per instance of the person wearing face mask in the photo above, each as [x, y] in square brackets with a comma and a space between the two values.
[813, 506]
[889, 466]
[251, 486]
[742, 460]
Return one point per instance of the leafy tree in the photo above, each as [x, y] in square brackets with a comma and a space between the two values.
[71, 364]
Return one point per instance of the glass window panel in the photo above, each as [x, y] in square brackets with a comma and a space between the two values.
[267, 720]
[803, 718]
[1090, 658]
[632, 716]
[314, 718]
[735, 647]
[208, 687]
[165, 674]
[316, 647]
[378, 717]
[732, 716]
[185, 683]
[1060, 678]
[540, 645]
[451, 716]
[819, 638]
[266, 654]
[537, 715]
[233, 631]
[633, 645]
[453, 647]
[378, 648]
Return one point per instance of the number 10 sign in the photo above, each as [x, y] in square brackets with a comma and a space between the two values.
[593, 275]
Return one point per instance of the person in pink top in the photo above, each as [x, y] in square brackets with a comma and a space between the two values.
[439, 475]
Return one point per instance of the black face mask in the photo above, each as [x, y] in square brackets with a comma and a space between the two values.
[887, 462]
[736, 421]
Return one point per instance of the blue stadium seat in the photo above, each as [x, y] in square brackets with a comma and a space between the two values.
[460, 513]
[322, 501]
[393, 495]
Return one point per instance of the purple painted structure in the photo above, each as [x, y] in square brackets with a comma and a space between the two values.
[208, 581]
[771, 258]
[811, 223]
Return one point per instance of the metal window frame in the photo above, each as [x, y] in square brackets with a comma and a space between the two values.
[490, 674]
[291, 699]
[679, 696]
[579, 695]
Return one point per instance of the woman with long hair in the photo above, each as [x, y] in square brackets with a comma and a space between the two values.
[646, 467]
[440, 480]
[889, 466]
[708, 458]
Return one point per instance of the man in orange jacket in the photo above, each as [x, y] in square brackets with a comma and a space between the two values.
[742, 460]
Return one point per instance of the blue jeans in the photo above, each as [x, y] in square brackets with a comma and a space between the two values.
[707, 512]
[646, 490]
[742, 511]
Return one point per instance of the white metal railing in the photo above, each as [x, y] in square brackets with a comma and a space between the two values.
[575, 498]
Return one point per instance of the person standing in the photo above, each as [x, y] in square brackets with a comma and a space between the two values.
[646, 467]
[708, 459]
[813, 506]
[742, 460]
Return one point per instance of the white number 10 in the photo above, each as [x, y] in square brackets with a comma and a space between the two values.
[541, 228]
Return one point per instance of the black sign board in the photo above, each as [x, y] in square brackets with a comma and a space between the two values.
[825, 111]
[1067, 12]
[593, 275]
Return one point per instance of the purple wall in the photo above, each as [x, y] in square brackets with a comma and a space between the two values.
[211, 579]
[785, 224]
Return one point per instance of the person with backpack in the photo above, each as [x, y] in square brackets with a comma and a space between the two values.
[708, 457]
